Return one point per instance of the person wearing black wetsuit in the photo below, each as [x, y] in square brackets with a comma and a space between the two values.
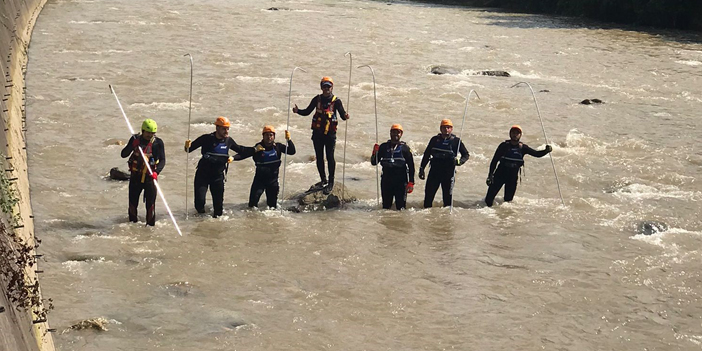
[266, 155]
[324, 124]
[510, 155]
[140, 179]
[212, 167]
[396, 159]
[442, 151]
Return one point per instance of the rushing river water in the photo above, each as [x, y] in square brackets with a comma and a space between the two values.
[526, 275]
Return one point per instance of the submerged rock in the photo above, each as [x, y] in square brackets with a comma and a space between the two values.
[444, 70]
[98, 324]
[179, 289]
[117, 174]
[495, 73]
[591, 101]
[315, 198]
[650, 227]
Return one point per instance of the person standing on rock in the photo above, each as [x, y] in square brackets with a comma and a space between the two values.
[510, 156]
[442, 151]
[396, 159]
[140, 179]
[266, 155]
[324, 124]
[213, 166]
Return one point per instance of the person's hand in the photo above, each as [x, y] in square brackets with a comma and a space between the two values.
[259, 147]
[376, 147]
[458, 161]
[186, 147]
[154, 175]
[489, 181]
[410, 187]
[295, 109]
[346, 117]
[287, 135]
[421, 173]
[549, 148]
[135, 142]
[230, 159]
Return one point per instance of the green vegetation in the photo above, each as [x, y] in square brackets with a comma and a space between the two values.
[678, 14]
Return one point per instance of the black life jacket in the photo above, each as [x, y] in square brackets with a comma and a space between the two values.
[393, 158]
[268, 157]
[325, 119]
[443, 149]
[219, 153]
[514, 158]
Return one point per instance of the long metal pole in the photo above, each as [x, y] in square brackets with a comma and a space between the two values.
[375, 106]
[558, 184]
[187, 153]
[465, 111]
[346, 128]
[287, 125]
[146, 163]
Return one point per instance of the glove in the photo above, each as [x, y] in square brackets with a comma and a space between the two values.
[376, 147]
[295, 109]
[230, 159]
[135, 142]
[410, 187]
[259, 147]
[458, 162]
[421, 173]
[489, 181]
[187, 145]
[346, 117]
[549, 148]
[154, 175]
[287, 135]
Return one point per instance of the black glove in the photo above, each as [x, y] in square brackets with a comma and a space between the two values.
[421, 173]
[489, 180]
[549, 148]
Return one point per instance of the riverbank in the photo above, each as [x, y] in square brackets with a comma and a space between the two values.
[23, 311]
[683, 15]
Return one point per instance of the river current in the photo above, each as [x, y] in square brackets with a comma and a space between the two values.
[526, 275]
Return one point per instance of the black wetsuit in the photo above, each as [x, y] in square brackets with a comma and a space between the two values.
[140, 178]
[511, 159]
[323, 134]
[398, 169]
[443, 153]
[267, 166]
[211, 170]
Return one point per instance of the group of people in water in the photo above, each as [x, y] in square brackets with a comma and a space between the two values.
[394, 156]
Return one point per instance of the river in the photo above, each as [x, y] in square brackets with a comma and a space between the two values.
[531, 274]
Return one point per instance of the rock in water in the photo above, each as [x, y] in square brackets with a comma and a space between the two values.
[650, 227]
[444, 70]
[316, 199]
[495, 73]
[113, 141]
[116, 174]
[98, 324]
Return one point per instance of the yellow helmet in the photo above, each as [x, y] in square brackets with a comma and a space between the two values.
[149, 125]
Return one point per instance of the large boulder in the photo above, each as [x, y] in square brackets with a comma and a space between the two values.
[591, 101]
[117, 174]
[315, 199]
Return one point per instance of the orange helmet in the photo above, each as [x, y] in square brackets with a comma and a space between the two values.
[268, 129]
[396, 127]
[517, 127]
[446, 122]
[223, 122]
[326, 80]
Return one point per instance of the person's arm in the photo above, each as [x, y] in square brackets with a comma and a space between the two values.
[129, 148]
[198, 142]
[427, 153]
[540, 153]
[499, 152]
[159, 155]
[339, 107]
[234, 146]
[407, 154]
[375, 156]
[464, 153]
[311, 107]
[244, 153]
[290, 150]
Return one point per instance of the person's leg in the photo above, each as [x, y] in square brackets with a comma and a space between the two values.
[432, 185]
[257, 189]
[386, 192]
[330, 146]
[217, 192]
[150, 196]
[134, 192]
[497, 182]
[272, 190]
[318, 144]
[400, 191]
[511, 186]
[200, 186]
[447, 187]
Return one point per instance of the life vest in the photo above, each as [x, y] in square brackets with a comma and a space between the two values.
[393, 157]
[443, 149]
[268, 157]
[514, 158]
[136, 161]
[219, 153]
[324, 118]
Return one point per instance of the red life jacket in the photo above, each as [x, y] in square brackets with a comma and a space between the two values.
[136, 161]
[324, 118]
